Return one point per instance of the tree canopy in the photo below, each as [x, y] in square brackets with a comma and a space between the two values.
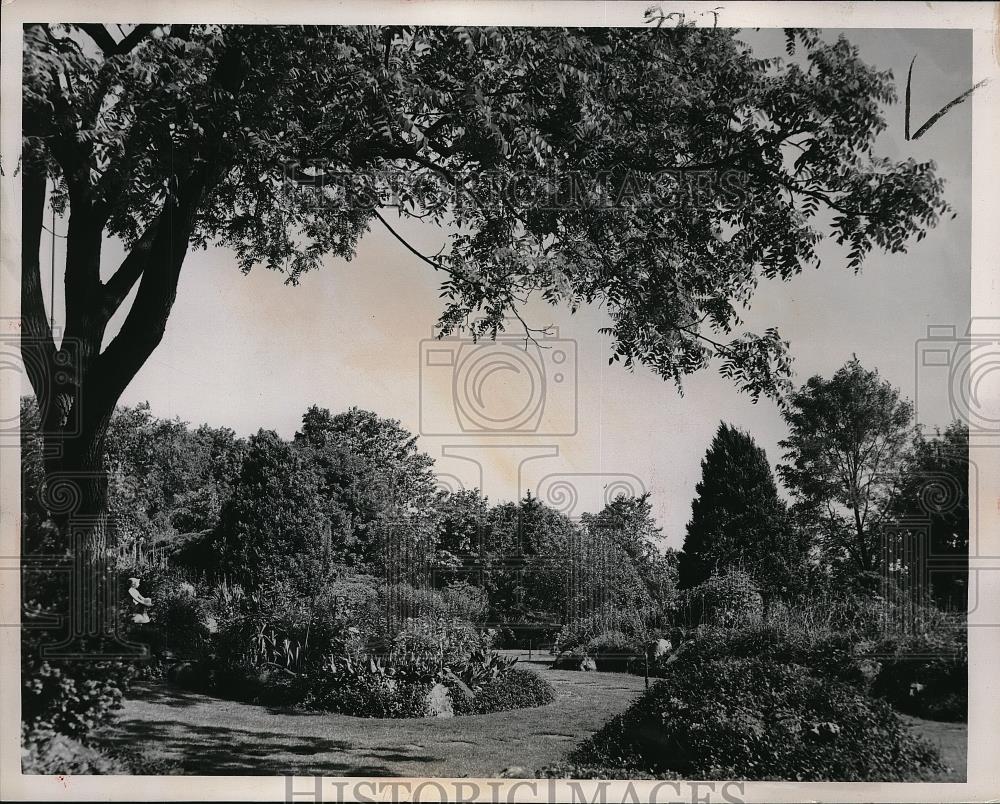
[848, 441]
[188, 134]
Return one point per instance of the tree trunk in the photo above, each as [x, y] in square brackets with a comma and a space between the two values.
[77, 388]
[76, 384]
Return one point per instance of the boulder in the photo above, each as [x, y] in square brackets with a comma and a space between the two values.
[182, 674]
[661, 647]
[439, 702]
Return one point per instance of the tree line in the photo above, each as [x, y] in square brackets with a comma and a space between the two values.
[872, 498]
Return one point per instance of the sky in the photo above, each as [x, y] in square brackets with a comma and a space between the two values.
[249, 352]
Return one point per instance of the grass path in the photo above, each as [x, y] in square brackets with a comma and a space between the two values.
[210, 736]
[199, 734]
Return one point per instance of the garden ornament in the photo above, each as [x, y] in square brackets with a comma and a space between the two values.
[137, 596]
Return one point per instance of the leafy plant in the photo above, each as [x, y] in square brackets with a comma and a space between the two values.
[760, 719]
[483, 667]
[71, 697]
[516, 688]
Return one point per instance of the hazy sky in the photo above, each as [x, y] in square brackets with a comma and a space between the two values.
[249, 352]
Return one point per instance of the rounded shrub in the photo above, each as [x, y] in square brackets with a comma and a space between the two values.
[756, 719]
[730, 599]
[922, 676]
[515, 689]
[370, 696]
[613, 651]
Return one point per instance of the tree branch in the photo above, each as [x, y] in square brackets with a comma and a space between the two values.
[129, 272]
[436, 266]
[104, 40]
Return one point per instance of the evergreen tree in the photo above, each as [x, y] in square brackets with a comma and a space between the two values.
[737, 518]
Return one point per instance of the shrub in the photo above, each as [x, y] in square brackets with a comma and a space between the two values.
[372, 696]
[242, 681]
[462, 697]
[925, 674]
[451, 639]
[825, 653]
[177, 621]
[514, 689]
[395, 685]
[921, 674]
[613, 651]
[71, 697]
[729, 599]
[482, 667]
[466, 602]
[756, 719]
[48, 754]
[634, 625]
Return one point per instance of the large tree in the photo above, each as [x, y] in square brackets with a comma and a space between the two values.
[738, 521]
[172, 136]
[848, 442]
[374, 472]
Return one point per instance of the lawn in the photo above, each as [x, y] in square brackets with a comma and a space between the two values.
[199, 734]
[951, 740]
[209, 736]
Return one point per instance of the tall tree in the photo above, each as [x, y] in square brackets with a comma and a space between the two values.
[848, 440]
[275, 525]
[628, 521]
[179, 135]
[374, 472]
[738, 521]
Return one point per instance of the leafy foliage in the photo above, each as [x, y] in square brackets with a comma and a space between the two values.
[758, 719]
[516, 688]
[934, 493]
[70, 697]
[848, 440]
[726, 599]
[217, 118]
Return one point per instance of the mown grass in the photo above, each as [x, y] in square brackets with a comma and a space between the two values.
[199, 734]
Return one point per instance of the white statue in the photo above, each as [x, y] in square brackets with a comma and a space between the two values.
[142, 616]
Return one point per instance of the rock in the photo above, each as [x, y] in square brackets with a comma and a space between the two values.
[516, 772]
[461, 694]
[588, 664]
[182, 674]
[439, 702]
[661, 647]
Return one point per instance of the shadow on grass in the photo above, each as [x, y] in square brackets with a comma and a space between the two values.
[218, 750]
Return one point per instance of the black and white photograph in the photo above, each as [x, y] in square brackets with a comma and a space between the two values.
[454, 402]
